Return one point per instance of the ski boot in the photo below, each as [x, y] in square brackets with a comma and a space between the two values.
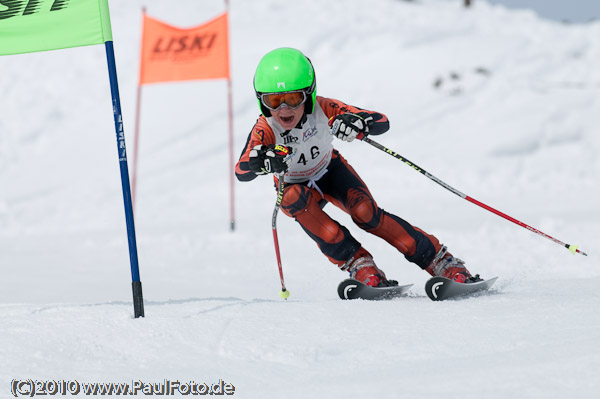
[362, 268]
[446, 265]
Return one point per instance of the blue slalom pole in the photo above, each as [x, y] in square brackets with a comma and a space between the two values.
[138, 300]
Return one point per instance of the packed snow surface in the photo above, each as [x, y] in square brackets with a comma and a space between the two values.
[497, 103]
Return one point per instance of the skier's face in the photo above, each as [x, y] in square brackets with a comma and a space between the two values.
[288, 118]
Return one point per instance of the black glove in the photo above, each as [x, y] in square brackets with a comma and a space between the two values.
[269, 159]
[347, 126]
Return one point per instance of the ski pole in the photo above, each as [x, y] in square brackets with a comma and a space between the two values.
[572, 248]
[284, 293]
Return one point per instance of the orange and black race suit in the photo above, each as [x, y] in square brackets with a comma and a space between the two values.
[318, 174]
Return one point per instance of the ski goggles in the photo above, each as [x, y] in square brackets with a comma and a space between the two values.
[292, 99]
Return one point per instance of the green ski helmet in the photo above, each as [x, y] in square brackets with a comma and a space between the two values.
[285, 69]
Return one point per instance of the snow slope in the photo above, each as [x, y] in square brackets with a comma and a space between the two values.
[498, 103]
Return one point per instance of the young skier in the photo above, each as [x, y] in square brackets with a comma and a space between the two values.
[294, 116]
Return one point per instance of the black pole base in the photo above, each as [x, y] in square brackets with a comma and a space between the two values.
[138, 299]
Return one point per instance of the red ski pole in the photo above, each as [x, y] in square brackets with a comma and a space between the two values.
[572, 248]
[284, 293]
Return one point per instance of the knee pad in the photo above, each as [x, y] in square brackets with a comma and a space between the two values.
[363, 210]
[296, 199]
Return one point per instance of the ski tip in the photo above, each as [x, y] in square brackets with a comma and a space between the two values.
[491, 280]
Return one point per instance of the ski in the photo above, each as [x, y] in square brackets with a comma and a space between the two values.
[441, 288]
[354, 289]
